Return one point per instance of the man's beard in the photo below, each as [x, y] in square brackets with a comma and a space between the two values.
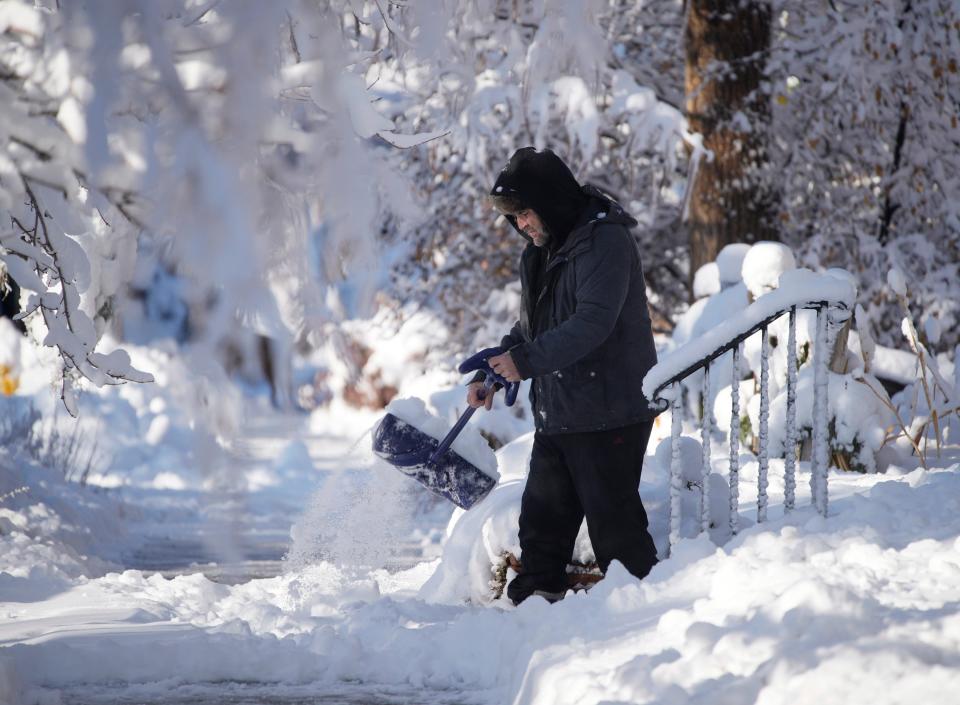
[545, 237]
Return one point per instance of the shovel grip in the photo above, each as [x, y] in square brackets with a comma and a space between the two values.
[480, 362]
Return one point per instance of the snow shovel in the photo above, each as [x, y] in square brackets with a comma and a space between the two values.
[433, 463]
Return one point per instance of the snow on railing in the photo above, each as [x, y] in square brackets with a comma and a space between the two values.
[832, 297]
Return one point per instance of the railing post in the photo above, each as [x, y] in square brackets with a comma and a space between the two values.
[828, 313]
[790, 452]
[706, 427]
[735, 443]
[763, 459]
[676, 475]
[820, 456]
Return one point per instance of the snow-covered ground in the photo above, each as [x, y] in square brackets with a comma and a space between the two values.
[285, 563]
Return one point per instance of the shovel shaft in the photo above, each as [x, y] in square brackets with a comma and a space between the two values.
[461, 422]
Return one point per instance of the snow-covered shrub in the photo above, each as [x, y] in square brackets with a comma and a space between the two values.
[929, 405]
[691, 468]
[864, 149]
[856, 425]
[857, 420]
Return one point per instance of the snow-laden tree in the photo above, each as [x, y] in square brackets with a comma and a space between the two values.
[867, 147]
[237, 134]
[564, 74]
[732, 194]
[253, 146]
[862, 140]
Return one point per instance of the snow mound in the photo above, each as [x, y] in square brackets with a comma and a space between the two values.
[691, 457]
[706, 282]
[763, 264]
[730, 263]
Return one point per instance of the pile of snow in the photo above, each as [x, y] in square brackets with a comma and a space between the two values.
[706, 281]
[763, 264]
[730, 262]
[469, 444]
[478, 540]
[726, 271]
[691, 472]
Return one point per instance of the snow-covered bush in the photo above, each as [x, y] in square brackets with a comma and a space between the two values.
[865, 147]
[929, 405]
[241, 136]
[552, 74]
[857, 419]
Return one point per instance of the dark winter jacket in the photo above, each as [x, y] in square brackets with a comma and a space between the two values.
[584, 333]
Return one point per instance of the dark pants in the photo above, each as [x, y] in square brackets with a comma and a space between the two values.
[593, 474]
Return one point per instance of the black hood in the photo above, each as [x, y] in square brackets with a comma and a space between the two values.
[542, 182]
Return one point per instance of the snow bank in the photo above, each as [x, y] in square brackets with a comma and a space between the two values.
[51, 531]
[476, 540]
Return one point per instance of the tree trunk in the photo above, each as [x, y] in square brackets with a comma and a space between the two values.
[731, 198]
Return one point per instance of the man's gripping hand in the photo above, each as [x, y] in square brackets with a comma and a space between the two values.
[504, 366]
[474, 398]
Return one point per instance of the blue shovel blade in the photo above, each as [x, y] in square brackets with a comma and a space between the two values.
[408, 449]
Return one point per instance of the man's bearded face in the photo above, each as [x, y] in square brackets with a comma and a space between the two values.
[530, 223]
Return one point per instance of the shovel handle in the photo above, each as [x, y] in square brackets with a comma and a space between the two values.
[461, 422]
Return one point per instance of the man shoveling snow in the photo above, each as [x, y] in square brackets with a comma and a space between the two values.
[585, 339]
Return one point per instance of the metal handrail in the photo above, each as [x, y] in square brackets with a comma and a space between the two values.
[735, 342]
[821, 355]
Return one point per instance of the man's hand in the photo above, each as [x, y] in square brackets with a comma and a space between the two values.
[503, 366]
[473, 396]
